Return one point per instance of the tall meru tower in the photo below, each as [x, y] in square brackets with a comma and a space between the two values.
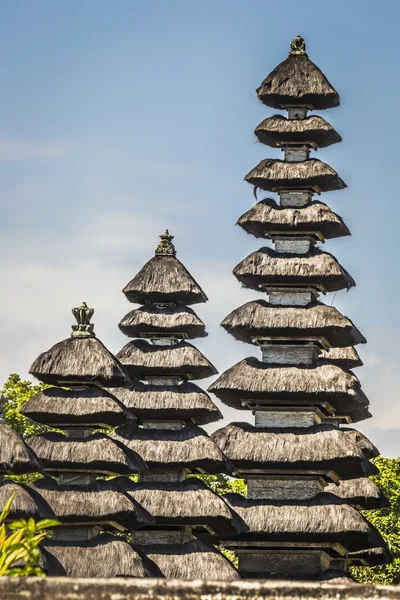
[306, 468]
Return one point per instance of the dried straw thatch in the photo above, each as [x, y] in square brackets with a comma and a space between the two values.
[91, 405]
[363, 493]
[186, 448]
[97, 453]
[164, 319]
[104, 556]
[191, 560]
[318, 448]
[272, 174]
[99, 502]
[267, 217]
[79, 360]
[297, 81]
[27, 503]
[253, 379]
[266, 267]
[368, 448]
[372, 557]
[164, 279]
[345, 357]
[324, 519]
[278, 130]
[185, 402]
[16, 457]
[189, 502]
[260, 318]
[142, 358]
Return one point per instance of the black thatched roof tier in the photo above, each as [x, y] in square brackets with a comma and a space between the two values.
[79, 360]
[363, 493]
[186, 448]
[324, 519]
[142, 358]
[27, 503]
[277, 131]
[164, 279]
[266, 267]
[267, 217]
[272, 174]
[297, 81]
[99, 502]
[91, 405]
[191, 560]
[251, 379]
[260, 318]
[16, 457]
[347, 357]
[163, 319]
[373, 557]
[318, 448]
[97, 453]
[104, 556]
[189, 502]
[179, 402]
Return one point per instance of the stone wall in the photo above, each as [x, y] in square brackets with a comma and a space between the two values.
[54, 588]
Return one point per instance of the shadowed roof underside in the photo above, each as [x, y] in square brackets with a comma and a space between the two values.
[277, 130]
[268, 217]
[164, 279]
[164, 320]
[179, 402]
[297, 81]
[266, 267]
[260, 318]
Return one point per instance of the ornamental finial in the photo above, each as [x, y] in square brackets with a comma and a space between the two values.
[84, 327]
[298, 46]
[166, 247]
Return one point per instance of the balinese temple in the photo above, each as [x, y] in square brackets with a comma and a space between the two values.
[78, 460]
[170, 407]
[306, 467]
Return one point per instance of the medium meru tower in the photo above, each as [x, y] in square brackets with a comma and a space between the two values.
[305, 466]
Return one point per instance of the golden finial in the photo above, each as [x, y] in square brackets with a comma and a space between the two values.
[298, 46]
[84, 327]
[165, 246]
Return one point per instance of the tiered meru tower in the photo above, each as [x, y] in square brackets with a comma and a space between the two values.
[89, 507]
[170, 408]
[301, 392]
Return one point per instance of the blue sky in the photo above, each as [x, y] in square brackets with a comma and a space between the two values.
[118, 119]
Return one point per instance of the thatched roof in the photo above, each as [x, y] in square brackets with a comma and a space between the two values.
[97, 453]
[272, 174]
[297, 81]
[164, 279]
[191, 560]
[79, 360]
[267, 216]
[98, 502]
[253, 379]
[181, 402]
[369, 449]
[91, 405]
[27, 502]
[345, 357]
[163, 319]
[324, 519]
[142, 358]
[315, 268]
[189, 447]
[104, 556]
[188, 502]
[318, 448]
[363, 493]
[278, 130]
[373, 557]
[16, 457]
[260, 318]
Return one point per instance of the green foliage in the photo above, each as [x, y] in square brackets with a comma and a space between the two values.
[19, 543]
[222, 484]
[387, 521]
[18, 392]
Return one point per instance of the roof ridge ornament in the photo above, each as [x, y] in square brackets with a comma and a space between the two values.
[298, 46]
[84, 328]
[165, 246]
